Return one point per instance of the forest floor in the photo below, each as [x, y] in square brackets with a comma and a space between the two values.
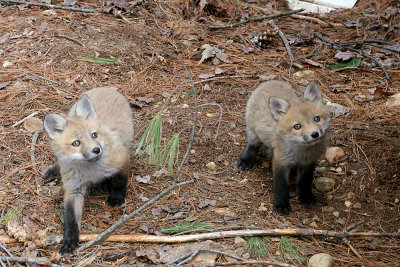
[42, 53]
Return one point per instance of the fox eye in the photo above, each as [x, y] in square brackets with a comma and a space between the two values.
[76, 143]
[317, 118]
[297, 126]
[94, 135]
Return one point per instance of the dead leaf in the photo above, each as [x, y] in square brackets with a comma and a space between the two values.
[69, 3]
[4, 38]
[3, 85]
[122, 4]
[30, 251]
[334, 153]
[162, 172]
[211, 52]
[206, 75]
[32, 124]
[144, 99]
[18, 231]
[144, 179]
[207, 88]
[344, 55]
[338, 110]
[207, 202]
[393, 101]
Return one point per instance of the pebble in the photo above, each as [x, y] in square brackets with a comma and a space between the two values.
[185, 106]
[7, 64]
[239, 242]
[334, 153]
[320, 169]
[347, 204]
[304, 74]
[314, 225]
[243, 181]
[357, 205]
[32, 124]
[351, 195]
[339, 169]
[192, 151]
[262, 207]
[211, 165]
[321, 260]
[396, 200]
[324, 184]
[144, 199]
[353, 172]
[335, 213]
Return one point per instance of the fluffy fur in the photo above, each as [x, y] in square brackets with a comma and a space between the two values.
[295, 129]
[92, 146]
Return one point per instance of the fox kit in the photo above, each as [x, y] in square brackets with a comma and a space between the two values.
[295, 129]
[92, 146]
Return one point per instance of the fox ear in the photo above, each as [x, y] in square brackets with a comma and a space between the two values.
[278, 107]
[54, 124]
[85, 109]
[313, 93]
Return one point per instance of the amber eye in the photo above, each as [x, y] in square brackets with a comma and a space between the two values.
[94, 135]
[317, 118]
[297, 126]
[76, 143]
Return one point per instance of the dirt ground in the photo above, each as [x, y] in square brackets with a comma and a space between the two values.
[46, 76]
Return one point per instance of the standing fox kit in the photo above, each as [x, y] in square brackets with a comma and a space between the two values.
[92, 146]
[295, 129]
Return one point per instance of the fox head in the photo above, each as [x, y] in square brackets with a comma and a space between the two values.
[77, 138]
[303, 122]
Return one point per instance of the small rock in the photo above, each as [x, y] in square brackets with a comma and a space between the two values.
[334, 153]
[185, 106]
[49, 12]
[335, 213]
[211, 165]
[314, 225]
[7, 64]
[218, 71]
[243, 181]
[351, 195]
[347, 204]
[144, 199]
[353, 172]
[320, 169]
[357, 205]
[339, 169]
[210, 115]
[393, 100]
[232, 125]
[262, 207]
[192, 151]
[309, 74]
[240, 242]
[321, 260]
[324, 184]
[32, 124]
[396, 200]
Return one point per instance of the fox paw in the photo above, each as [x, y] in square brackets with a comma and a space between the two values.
[115, 202]
[69, 247]
[282, 210]
[244, 164]
[308, 200]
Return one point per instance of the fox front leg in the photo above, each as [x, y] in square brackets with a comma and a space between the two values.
[73, 205]
[281, 190]
[304, 185]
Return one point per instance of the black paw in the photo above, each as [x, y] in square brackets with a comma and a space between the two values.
[244, 164]
[52, 173]
[115, 202]
[282, 210]
[308, 200]
[69, 247]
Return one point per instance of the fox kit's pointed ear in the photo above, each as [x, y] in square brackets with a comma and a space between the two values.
[85, 108]
[313, 93]
[54, 124]
[278, 107]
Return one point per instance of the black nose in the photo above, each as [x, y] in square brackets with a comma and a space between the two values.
[315, 135]
[96, 150]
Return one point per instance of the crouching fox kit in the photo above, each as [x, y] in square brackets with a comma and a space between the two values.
[92, 146]
[295, 129]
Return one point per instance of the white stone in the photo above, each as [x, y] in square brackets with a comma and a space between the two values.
[211, 165]
[7, 64]
[321, 260]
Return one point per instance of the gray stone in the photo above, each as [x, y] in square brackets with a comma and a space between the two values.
[321, 260]
[324, 184]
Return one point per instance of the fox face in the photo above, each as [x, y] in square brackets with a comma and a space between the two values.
[303, 122]
[78, 139]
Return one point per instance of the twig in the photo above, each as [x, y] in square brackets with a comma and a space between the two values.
[359, 51]
[256, 18]
[49, 6]
[28, 260]
[24, 119]
[220, 115]
[347, 242]
[70, 38]
[4, 247]
[321, 22]
[33, 146]
[286, 43]
[256, 263]
[96, 239]
[195, 114]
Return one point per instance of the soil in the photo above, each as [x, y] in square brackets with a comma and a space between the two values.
[46, 76]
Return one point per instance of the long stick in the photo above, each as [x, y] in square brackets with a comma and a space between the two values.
[48, 5]
[256, 18]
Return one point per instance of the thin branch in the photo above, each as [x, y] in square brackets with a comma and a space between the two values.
[220, 115]
[48, 6]
[358, 51]
[256, 18]
[24, 119]
[28, 260]
[286, 43]
[255, 263]
[195, 114]
[127, 217]
[33, 146]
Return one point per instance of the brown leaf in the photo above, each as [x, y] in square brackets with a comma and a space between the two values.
[344, 55]
[4, 38]
[122, 4]
[207, 202]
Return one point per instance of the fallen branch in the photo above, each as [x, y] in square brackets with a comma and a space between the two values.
[285, 42]
[48, 6]
[358, 51]
[256, 18]
[24, 119]
[42, 261]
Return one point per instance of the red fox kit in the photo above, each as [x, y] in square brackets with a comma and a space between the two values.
[92, 146]
[295, 129]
